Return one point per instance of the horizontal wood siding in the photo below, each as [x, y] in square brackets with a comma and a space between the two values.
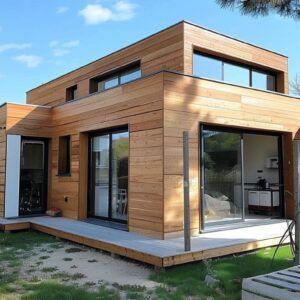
[196, 38]
[2, 158]
[28, 120]
[137, 105]
[160, 51]
[189, 101]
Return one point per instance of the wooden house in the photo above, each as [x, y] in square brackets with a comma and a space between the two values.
[103, 143]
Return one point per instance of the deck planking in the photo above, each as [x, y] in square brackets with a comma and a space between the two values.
[157, 252]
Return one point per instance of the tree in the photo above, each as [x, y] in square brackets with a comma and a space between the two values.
[285, 8]
[295, 85]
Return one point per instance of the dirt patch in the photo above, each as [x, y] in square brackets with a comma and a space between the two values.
[83, 266]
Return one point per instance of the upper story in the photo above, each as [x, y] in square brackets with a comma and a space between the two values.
[184, 48]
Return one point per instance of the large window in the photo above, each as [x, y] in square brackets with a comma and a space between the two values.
[108, 81]
[241, 175]
[215, 68]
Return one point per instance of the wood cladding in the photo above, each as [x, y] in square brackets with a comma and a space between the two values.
[156, 108]
[190, 101]
[171, 49]
[197, 38]
[137, 105]
[158, 52]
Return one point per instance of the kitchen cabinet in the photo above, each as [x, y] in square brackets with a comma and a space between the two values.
[263, 200]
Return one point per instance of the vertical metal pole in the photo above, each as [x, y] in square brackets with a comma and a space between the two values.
[297, 199]
[186, 187]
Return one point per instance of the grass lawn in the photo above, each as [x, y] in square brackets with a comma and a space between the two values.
[179, 282]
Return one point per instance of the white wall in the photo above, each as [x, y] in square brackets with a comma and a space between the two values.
[12, 181]
[256, 149]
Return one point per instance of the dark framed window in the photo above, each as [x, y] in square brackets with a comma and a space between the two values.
[71, 93]
[64, 156]
[211, 67]
[116, 78]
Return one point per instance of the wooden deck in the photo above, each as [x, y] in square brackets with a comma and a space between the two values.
[161, 253]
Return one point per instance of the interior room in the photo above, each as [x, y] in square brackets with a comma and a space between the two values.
[241, 175]
[261, 176]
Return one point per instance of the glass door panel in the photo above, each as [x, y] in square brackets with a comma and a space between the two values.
[109, 176]
[32, 178]
[119, 175]
[223, 197]
[100, 158]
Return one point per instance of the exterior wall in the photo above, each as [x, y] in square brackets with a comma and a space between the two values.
[137, 105]
[205, 40]
[189, 101]
[28, 120]
[160, 51]
[2, 158]
[156, 109]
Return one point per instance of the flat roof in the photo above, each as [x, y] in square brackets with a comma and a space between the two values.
[156, 33]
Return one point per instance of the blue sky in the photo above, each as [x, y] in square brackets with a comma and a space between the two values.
[40, 40]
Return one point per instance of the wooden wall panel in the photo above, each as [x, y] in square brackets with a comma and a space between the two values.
[137, 105]
[189, 101]
[28, 120]
[211, 42]
[163, 50]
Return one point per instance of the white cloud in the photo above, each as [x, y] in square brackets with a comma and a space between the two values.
[60, 52]
[62, 9]
[31, 61]
[97, 13]
[71, 44]
[53, 43]
[62, 49]
[12, 46]
[124, 11]
[1, 28]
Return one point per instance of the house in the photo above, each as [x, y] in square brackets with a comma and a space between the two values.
[103, 143]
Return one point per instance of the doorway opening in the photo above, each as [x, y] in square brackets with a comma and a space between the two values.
[241, 175]
[33, 176]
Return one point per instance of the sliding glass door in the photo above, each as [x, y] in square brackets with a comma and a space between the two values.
[222, 176]
[241, 174]
[109, 176]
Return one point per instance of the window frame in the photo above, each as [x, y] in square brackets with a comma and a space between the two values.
[223, 61]
[70, 91]
[67, 171]
[117, 73]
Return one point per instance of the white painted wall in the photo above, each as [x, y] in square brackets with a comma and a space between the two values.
[256, 149]
[12, 182]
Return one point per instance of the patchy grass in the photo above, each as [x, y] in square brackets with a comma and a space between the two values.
[74, 250]
[54, 291]
[187, 280]
[177, 283]
[49, 270]
[44, 257]
[14, 249]
[67, 259]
